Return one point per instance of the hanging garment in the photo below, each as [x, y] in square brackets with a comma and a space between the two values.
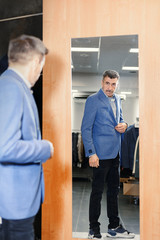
[136, 160]
[74, 148]
[80, 148]
[128, 147]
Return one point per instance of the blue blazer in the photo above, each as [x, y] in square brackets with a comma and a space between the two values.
[22, 151]
[98, 126]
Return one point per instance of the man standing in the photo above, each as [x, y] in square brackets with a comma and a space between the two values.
[22, 151]
[102, 126]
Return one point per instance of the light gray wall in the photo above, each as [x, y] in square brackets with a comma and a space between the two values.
[130, 108]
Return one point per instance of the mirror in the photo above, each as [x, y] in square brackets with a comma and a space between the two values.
[90, 58]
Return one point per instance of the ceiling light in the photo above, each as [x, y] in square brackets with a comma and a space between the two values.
[130, 68]
[79, 49]
[134, 50]
[126, 93]
[85, 66]
[84, 54]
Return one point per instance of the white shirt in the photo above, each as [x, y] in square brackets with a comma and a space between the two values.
[112, 102]
[113, 105]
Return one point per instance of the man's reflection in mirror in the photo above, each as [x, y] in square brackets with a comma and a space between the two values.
[102, 127]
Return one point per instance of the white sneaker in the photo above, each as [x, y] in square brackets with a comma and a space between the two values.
[120, 232]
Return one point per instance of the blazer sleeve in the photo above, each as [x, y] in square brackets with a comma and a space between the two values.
[87, 126]
[13, 148]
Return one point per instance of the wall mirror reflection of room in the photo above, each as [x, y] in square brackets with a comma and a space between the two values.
[90, 58]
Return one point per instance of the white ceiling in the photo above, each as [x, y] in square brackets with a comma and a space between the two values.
[113, 53]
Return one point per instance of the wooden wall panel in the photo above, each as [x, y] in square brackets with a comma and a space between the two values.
[62, 20]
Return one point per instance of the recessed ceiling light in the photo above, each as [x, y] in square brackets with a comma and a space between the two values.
[84, 54]
[85, 66]
[79, 49]
[130, 68]
[126, 93]
[134, 50]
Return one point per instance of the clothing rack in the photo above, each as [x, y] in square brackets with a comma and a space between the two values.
[80, 166]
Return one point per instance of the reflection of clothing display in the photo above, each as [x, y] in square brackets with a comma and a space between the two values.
[78, 154]
[80, 148]
[136, 160]
[128, 147]
[74, 148]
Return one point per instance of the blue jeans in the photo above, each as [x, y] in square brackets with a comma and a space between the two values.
[17, 229]
[108, 171]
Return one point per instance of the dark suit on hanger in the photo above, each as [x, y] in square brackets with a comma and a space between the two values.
[128, 147]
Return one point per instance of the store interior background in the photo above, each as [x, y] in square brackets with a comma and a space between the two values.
[90, 58]
[88, 67]
[63, 20]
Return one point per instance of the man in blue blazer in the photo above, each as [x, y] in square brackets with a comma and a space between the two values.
[101, 129]
[22, 151]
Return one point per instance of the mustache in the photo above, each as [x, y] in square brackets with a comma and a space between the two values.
[109, 91]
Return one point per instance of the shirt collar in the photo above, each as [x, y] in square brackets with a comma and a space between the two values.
[23, 78]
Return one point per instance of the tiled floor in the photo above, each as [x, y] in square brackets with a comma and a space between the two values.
[128, 210]
[84, 235]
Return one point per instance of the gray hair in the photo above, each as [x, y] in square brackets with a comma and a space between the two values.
[22, 49]
[111, 74]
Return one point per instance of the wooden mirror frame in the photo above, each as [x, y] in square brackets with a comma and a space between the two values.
[63, 20]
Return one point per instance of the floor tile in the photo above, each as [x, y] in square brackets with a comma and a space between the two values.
[128, 210]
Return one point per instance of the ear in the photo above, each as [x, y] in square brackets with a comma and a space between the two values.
[36, 59]
[42, 61]
[34, 62]
[117, 85]
[102, 82]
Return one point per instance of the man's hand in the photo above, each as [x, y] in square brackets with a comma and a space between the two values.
[51, 148]
[121, 127]
[94, 161]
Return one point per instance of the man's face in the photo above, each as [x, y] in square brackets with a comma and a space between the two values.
[109, 85]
